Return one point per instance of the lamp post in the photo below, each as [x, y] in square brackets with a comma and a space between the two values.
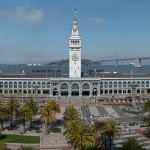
[35, 87]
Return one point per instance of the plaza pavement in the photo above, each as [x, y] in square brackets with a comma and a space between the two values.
[59, 142]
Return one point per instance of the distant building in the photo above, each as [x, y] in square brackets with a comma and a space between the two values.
[45, 81]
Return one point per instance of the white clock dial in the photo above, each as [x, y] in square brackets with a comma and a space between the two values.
[75, 57]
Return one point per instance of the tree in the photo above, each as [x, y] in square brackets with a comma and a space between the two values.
[25, 148]
[33, 106]
[93, 146]
[108, 130]
[3, 146]
[48, 113]
[148, 121]
[70, 115]
[111, 130]
[24, 113]
[12, 105]
[131, 143]
[99, 128]
[71, 127]
[147, 106]
[78, 138]
[3, 116]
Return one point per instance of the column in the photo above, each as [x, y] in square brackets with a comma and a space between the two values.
[98, 88]
[51, 92]
[80, 89]
[91, 92]
[59, 90]
[69, 88]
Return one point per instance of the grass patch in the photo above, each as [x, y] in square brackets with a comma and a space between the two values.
[12, 138]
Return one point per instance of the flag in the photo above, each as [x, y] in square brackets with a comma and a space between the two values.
[76, 10]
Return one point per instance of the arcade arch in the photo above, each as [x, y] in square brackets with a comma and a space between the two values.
[75, 89]
[85, 89]
[64, 89]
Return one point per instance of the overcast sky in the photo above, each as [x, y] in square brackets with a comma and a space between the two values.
[38, 31]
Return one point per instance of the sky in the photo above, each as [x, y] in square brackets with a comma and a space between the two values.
[38, 31]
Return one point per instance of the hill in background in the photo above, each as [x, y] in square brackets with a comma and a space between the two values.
[65, 62]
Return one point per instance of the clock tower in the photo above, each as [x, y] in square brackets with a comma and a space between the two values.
[75, 52]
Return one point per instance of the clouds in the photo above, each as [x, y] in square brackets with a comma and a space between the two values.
[23, 14]
[96, 20]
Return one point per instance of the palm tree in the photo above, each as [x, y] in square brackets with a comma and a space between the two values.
[3, 146]
[33, 106]
[71, 115]
[98, 129]
[25, 148]
[70, 127]
[147, 106]
[111, 130]
[78, 138]
[3, 116]
[12, 105]
[93, 146]
[108, 130]
[148, 121]
[24, 113]
[48, 113]
[131, 144]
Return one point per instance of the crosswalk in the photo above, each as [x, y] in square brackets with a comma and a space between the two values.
[109, 112]
[131, 133]
[96, 111]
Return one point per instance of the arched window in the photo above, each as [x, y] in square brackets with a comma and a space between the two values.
[29, 84]
[24, 85]
[43, 84]
[138, 83]
[142, 84]
[15, 84]
[115, 84]
[147, 84]
[38, 84]
[129, 84]
[119, 84]
[106, 85]
[124, 84]
[10, 85]
[75, 86]
[101, 84]
[6, 84]
[86, 86]
[110, 84]
[20, 85]
[64, 86]
[48, 84]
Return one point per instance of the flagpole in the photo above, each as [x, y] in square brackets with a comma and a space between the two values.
[75, 11]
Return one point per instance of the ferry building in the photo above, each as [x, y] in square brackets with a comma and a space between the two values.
[72, 84]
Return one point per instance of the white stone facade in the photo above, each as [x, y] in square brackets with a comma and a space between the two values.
[75, 52]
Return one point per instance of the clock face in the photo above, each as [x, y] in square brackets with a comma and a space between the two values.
[75, 57]
[75, 28]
